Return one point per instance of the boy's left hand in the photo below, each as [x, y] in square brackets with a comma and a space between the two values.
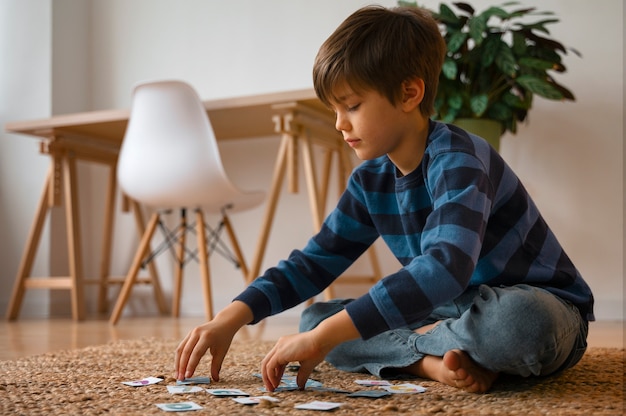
[301, 348]
[307, 348]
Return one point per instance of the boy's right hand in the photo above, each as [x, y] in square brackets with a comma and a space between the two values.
[214, 336]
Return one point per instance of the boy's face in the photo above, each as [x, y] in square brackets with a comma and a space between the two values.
[371, 125]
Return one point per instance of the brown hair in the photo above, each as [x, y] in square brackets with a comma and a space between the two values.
[379, 48]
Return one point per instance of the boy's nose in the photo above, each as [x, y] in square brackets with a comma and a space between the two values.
[341, 123]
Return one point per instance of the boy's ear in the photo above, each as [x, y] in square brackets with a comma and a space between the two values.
[412, 93]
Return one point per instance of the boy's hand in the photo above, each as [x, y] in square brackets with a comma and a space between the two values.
[308, 348]
[214, 336]
[301, 348]
[191, 350]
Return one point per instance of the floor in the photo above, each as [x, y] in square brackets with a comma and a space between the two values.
[27, 337]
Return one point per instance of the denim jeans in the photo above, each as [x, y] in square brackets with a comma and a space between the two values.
[520, 330]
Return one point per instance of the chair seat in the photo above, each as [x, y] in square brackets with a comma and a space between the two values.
[235, 201]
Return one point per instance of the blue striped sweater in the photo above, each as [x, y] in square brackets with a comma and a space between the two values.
[461, 219]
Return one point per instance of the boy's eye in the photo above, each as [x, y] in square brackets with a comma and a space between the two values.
[354, 107]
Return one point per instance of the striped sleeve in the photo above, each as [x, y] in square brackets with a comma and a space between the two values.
[345, 234]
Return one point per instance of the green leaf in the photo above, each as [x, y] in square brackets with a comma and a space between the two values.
[543, 42]
[455, 101]
[479, 104]
[456, 40]
[505, 60]
[540, 26]
[513, 100]
[446, 14]
[522, 12]
[539, 87]
[494, 11]
[439, 101]
[544, 54]
[519, 44]
[567, 94]
[500, 111]
[465, 7]
[536, 63]
[477, 26]
[449, 116]
[491, 46]
[449, 68]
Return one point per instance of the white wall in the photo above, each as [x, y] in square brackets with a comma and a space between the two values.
[570, 155]
[25, 89]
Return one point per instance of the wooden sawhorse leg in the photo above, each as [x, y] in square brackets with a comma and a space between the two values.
[107, 241]
[277, 181]
[32, 244]
[74, 282]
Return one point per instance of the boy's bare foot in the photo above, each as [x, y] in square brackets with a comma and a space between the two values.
[455, 369]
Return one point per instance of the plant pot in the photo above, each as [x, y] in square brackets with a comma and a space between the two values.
[489, 130]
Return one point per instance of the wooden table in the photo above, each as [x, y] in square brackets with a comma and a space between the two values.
[298, 116]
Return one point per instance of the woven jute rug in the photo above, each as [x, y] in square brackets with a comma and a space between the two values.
[88, 382]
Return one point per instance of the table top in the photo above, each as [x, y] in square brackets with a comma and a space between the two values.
[238, 117]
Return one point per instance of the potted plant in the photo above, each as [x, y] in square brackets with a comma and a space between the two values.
[497, 60]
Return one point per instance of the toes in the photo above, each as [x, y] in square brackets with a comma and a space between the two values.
[452, 360]
[465, 374]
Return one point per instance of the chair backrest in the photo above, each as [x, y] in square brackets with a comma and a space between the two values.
[169, 156]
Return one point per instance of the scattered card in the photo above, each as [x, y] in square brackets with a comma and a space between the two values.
[373, 382]
[255, 400]
[317, 405]
[404, 388]
[227, 392]
[179, 407]
[329, 390]
[184, 389]
[279, 389]
[373, 394]
[194, 380]
[288, 383]
[143, 382]
[282, 388]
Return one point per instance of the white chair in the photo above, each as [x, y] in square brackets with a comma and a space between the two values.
[169, 160]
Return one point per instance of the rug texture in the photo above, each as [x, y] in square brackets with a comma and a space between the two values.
[88, 382]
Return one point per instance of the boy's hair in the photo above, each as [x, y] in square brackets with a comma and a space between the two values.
[377, 48]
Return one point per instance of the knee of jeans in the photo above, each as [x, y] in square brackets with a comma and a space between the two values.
[516, 330]
[317, 312]
[522, 309]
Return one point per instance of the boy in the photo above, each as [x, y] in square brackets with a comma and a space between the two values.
[484, 287]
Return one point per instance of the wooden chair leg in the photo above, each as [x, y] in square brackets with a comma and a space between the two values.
[236, 247]
[152, 270]
[204, 265]
[131, 277]
[180, 259]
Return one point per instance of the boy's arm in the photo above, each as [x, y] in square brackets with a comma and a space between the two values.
[214, 336]
[307, 348]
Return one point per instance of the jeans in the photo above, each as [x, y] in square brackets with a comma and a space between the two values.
[520, 330]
